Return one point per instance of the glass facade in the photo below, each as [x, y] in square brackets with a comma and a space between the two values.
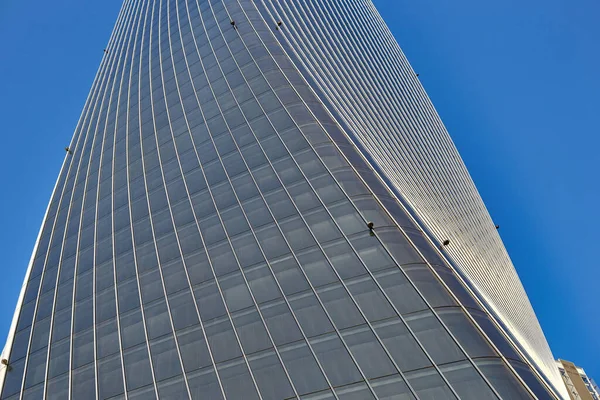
[216, 234]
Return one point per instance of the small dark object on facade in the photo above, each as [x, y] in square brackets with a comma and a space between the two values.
[68, 150]
[497, 226]
[232, 23]
[446, 242]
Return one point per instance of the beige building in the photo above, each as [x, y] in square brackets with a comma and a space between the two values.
[579, 385]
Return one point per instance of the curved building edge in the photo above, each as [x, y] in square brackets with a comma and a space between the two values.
[391, 135]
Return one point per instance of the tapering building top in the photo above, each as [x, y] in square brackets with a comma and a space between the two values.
[357, 68]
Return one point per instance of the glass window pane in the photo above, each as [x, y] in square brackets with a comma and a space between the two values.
[394, 208]
[359, 391]
[235, 222]
[45, 304]
[84, 383]
[165, 358]
[398, 246]
[84, 315]
[373, 212]
[344, 260]
[209, 301]
[303, 196]
[58, 388]
[348, 219]
[400, 291]
[235, 291]
[495, 335]
[145, 393]
[173, 389]
[157, 319]
[303, 368]
[270, 377]
[251, 331]
[222, 259]
[324, 395]
[466, 382]
[204, 385]
[272, 242]
[107, 339]
[316, 267]
[429, 285]
[280, 323]
[106, 307]
[372, 252]
[262, 284]
[327, 189]
[13, 381]
[247, 250]
[392, 388]
[370, 299]
[34, 393]
[429, 385]
[530, 380]
[464, 331]
[40, 335]
[434, 338]
[175, 277]
[456, 287]
[83, 348]
[21, 342]
[503, 380]
[402, 346]
[137, 368]
[297, 234]
[194, 351]
[289, 275]
[322, 226]
[110, 377]
[266, 179]
[340, 307]
[151, 286]
[36, 368]
[368, 353]
[183, 310]
[198, 267]
[59, 358]
[310, 314]
[336, 361]
[236, 380]
[257, 212]
[222, 341]
[26, 315]
[425, 247]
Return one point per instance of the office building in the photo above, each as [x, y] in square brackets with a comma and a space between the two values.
[260, 202]
[579, 385]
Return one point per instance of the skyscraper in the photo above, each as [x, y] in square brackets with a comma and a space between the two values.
[259, 201]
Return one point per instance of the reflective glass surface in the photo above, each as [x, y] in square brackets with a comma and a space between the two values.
[208, 238]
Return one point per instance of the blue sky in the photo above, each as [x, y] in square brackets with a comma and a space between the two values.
[516, 83]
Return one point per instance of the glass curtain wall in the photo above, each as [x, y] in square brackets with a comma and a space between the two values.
[215, 234]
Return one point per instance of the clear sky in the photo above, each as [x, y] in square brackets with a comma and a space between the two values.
[517, 84]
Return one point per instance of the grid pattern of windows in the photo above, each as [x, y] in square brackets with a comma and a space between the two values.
[348, 54]
[209, 237]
